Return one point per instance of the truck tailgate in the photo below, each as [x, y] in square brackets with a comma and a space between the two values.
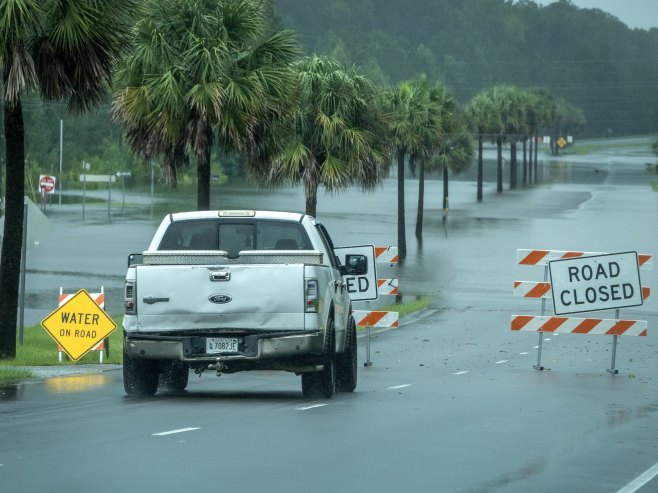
[239, 297]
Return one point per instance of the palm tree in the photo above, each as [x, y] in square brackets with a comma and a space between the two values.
[338, 137]
[478, 114]
[454, 154]
[442, 114]
[514, 120]
[63, 50]
[411, 120]
[204, 72]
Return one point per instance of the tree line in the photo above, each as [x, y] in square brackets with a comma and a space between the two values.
[184, 78]
[585, 56]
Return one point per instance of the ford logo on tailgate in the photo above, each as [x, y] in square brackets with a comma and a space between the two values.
[220, 298]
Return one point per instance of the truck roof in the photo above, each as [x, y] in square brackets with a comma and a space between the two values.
[278, 215]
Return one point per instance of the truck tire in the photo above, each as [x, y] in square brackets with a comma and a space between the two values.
[346, 363]
[319, 384]
[174, 377]
[140, 376]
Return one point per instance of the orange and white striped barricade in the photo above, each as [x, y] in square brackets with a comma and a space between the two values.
[560, 324]
[99, 298]
[387, 287]
[368, 318]
[386, 254]
[374, 318]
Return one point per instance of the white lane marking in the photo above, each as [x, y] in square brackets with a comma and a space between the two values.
[641, 480]
[502, 361]
[535, 347]
[400, 386]
[460, 372]
[524, 352]
[306, 408]
[547, 338]
[172, 432]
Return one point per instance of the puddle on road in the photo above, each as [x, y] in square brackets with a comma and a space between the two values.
[75, 383]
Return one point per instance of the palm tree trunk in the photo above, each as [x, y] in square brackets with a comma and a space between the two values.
[312, 203]
[480, 177]
[499, 144]
[402, 240]
[203, 175]
[10, 263]
[532, 138]
[445, 189]
[311, 190]
[421, 200]
[536, 152]
[525, 160]
[512, 166]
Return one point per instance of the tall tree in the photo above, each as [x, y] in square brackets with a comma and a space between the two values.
[442, 118]
[410, 121]
[453, 155]
[338, 132]
[204, 72]
[62, 50]
[478, 114]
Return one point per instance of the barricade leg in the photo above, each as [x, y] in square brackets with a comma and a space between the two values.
[540, 344]
[368, 362]
[538, 366]
[614, 349]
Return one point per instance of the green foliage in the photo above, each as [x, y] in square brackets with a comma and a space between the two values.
[39, 349]
[584, 56]
[337, 128]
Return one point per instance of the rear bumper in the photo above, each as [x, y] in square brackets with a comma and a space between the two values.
[191, 349]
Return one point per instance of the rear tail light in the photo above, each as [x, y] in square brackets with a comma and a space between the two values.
[311, 296]
[129, 305]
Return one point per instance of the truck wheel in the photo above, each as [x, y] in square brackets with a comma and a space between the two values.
[140, 376]
[346, 363]
[174, 377]
[321, 384]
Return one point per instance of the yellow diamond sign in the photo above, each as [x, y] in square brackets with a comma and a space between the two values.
[78, 325]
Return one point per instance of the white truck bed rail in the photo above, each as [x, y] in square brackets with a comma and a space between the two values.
[213, 257]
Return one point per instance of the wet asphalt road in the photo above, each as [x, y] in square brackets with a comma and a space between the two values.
[452, 402]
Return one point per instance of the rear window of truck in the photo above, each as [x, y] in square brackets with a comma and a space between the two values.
[234, 236]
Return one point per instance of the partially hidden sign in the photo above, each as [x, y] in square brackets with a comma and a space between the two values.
[600, 282]
[78, 325]
[361, 287]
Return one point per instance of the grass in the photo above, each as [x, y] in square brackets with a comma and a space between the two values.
[405, 307]
[9, 374]
[39, 349]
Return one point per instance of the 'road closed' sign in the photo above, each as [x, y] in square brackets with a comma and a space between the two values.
[601, 282]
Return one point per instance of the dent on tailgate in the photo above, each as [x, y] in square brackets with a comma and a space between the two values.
[179, 297]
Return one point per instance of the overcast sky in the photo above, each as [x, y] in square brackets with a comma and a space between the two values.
[634, 13]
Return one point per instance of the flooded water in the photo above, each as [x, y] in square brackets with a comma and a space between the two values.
[600, 202]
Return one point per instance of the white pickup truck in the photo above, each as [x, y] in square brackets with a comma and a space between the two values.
[231, 291]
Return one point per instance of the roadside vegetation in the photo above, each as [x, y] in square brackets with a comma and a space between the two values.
[39, 349]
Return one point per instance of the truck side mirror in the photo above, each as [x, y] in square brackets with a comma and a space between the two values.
[356, 265]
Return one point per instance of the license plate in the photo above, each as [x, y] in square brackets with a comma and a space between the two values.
[216, 345]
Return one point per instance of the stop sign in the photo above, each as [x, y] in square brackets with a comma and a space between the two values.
[47, 183]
